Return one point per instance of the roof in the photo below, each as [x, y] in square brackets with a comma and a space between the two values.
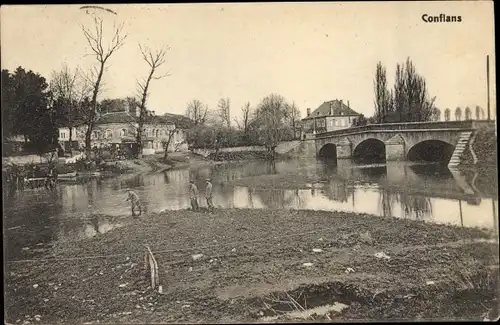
[155, 119]
[339, 109]
[115, 117]
[180, 121]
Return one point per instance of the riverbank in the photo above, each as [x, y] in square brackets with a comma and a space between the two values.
[485, 149]
[379, 268]
[146, 164]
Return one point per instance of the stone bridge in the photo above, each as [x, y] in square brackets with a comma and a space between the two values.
[427, 141]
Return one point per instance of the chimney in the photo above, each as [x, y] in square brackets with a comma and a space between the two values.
[331, 108]
[349, 106]
[308, 111]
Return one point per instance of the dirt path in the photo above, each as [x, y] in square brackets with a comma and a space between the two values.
[253, 257]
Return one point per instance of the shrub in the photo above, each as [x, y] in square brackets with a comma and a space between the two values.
[80, 164]
[128, 153]
[206, 137]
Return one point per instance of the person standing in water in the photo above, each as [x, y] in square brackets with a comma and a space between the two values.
[193, 195]
[208, 196]
[134, 200]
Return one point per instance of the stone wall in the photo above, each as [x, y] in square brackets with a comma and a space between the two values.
[297, 148]
[306, 149]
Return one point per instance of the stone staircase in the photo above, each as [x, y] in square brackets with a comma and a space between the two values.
[287, 146]
[459, 149]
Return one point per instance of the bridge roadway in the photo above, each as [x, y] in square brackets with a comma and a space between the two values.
[431, 141]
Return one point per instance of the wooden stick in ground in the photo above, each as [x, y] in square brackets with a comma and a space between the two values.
[155, 279]
[152, 268]
[155, 276]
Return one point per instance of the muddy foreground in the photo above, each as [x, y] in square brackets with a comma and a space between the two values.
[258, 264]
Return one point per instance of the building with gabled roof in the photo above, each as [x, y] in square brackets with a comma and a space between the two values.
[329, 116]
[118, 129]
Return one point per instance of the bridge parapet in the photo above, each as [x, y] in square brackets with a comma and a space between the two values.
[457, 125]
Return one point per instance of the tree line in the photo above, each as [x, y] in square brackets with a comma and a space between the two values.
[35, 108]
[272, 120]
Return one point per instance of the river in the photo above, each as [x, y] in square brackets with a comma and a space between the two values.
[34, 219]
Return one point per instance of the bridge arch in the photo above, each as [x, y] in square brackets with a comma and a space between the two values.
[371, 149]
[431, 151]
[328, 152]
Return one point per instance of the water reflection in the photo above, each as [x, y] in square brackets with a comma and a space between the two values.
[80, 228]
[27, 220]
[423, 192]
[414, 207]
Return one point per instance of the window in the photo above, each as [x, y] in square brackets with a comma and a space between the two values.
[123, 132]
[109, 134]
[94, 135]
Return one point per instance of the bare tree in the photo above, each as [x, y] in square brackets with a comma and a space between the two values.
[102, 53]
[479, 112]
[154, 60]
[293, 115]
[436, 114]
[69, 91]
[224, 111]
[63, 82]
[270, 118]
[168, 140]
[447, 113]
[458, 114]
[468, 113]
[246, 116]
[197, 112]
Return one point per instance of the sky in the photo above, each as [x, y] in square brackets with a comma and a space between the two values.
[307, 52]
